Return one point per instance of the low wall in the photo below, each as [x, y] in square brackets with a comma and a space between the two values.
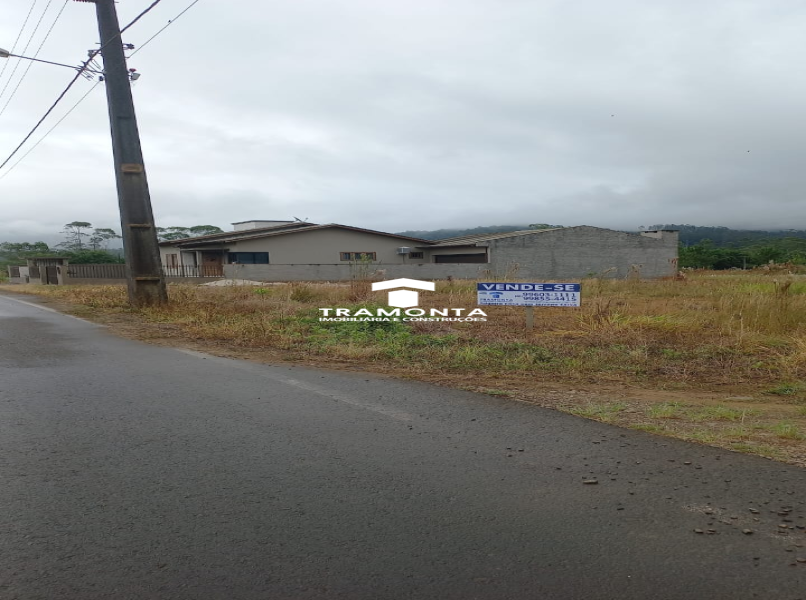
[426, 271]
[192, 280]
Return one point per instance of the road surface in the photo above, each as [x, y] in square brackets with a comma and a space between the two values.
[134, 471]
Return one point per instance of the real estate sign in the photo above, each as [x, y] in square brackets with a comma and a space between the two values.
[528, 294]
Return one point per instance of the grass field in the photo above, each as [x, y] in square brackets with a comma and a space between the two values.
[717, 357]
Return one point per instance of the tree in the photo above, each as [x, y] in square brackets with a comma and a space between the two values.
[75, 233]
[101, 237]
[90, 257]
[768, 254]
[170, 234]
[544, 226]
[205, 230]
[16, 253]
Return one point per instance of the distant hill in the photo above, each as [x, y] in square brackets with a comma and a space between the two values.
[729, 238]
[689, 234]
[440, 234]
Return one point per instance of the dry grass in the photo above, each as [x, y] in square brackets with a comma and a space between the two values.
[712, 335]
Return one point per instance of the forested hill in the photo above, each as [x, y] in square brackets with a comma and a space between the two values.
[689, 234]
[441, 234]
[726, 237]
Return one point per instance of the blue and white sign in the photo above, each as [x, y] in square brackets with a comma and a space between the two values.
[528, 294]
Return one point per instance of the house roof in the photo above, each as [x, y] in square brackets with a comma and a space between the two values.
[228, 235]
[265, 232]
[473, 240]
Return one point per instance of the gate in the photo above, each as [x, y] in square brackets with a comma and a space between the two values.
[51, 276]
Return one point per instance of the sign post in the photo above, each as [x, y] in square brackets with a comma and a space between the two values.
[530, 316]
[528, 295]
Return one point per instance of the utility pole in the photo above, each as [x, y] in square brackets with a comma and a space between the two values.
[141, 250]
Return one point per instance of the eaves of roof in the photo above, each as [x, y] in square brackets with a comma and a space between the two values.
[230, 235]
[474, 240]
[253, 234]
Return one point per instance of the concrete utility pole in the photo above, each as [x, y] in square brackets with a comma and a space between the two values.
[143, 267]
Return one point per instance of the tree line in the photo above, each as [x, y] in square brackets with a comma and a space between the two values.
[85, 244]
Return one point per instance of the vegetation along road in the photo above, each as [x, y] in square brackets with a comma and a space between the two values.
[137, 471]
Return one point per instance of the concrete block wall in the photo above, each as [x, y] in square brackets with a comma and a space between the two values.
[578, 252]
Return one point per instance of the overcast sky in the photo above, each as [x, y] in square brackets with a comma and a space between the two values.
[423, 114]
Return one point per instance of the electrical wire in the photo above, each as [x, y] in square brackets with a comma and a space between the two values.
[67, 114]
[24, 50]
[143, 45]
[36, 54]
[170, 22]
[80, 72]
[19, 35]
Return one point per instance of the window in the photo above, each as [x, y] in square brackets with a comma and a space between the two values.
[345, 256]
[248, 258]
[173, 260]
[415, 254]
[460, 258]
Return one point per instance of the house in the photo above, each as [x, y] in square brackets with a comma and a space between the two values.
[564, 252]
[299, 251]
[288, 243]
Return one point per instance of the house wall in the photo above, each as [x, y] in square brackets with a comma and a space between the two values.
[346, 272]
[324, 246]
[571, 253]
[577, 252]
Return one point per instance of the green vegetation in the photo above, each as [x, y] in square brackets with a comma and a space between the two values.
[18, 253]
[169, 234]
[601, 411]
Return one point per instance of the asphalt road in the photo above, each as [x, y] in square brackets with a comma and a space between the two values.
[134, 471]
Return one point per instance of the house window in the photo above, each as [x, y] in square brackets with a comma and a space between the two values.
[173, 260]
[461, 258]
[347, 256]
[415, 254]
[248, 258]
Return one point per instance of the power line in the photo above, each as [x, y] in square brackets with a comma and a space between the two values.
[93, 54]
[30, 64]
[143, 45]
[170, 22]
[47, 133]
[19, 35]
[138, 17]
[24, 50]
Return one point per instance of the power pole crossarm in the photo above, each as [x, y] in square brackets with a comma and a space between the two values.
[141, 249]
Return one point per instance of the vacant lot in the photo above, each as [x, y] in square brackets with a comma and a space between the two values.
[718, 358]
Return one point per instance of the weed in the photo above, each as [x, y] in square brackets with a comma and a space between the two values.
[753, 448]
[499, 393]
[787, 389]
[787, 431]
[666, 410]
[604, 411]
[704, 436]
[648, 427]
[720, 413]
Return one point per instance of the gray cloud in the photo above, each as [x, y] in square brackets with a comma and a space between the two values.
[431, 114]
